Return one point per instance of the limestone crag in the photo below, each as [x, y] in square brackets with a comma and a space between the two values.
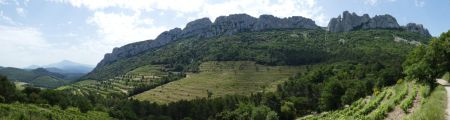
[204, 28]
[266, 22]
[351, 21]
[418, 28]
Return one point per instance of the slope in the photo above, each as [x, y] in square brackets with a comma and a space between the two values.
[399, 98]
[217, 79]
[275, 47]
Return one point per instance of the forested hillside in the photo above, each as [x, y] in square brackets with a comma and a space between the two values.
[276, 47]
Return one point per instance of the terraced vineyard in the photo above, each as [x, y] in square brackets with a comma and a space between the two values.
[122, 85]
[221, 78]
[17, 111]
[399, 98]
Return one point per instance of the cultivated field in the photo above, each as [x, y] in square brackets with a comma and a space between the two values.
[402, 101]
[145, 75]
[221, 78]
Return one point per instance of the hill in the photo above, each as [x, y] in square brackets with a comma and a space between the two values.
[217, 79]
[37, 77]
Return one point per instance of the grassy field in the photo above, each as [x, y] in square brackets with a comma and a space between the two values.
[20, 85]
[145, 75]
[433, 107]
[17, 111]
[221, 78]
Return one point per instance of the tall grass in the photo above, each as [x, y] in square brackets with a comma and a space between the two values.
[446, 76]
[433, 107]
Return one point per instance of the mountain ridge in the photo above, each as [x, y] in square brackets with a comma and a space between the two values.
[204, 28]
[64, 66]
[237, 23]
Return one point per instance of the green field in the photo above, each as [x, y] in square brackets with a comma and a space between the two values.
[222, 78]
[145, 75]
[17, 111]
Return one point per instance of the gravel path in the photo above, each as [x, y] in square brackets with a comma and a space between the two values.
[447, 88]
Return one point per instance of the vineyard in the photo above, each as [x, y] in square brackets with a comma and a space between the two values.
[399, 98]
[217, 79]
[144, 77]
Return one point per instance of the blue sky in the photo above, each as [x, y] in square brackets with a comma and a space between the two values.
[39, 32]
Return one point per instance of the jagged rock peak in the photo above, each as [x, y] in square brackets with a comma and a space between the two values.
[197, 28]
[204, 28]
[351, 21]
[418, 28]
[271, 22]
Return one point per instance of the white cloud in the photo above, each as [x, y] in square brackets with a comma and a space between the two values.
[20, 11]
[20, 45]
[375, 2]
[371, 2]
[212, 9]
[24, 46]
[119, 29]
[419, 3]
[6, 19]
[147, 5]
[280, 8]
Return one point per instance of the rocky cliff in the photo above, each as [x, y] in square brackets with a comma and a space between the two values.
[351, 21]
[204, 28]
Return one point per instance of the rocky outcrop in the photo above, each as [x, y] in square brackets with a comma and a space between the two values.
[418, 28]
[228, 25]
[139, 47]
[197, 28]
[266, 22]
[204, 28]
[351, 21]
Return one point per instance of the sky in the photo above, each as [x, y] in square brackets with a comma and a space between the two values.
[40, 32]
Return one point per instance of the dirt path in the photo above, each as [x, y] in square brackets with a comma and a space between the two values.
[447, 88]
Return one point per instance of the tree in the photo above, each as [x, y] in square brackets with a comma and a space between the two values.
[7, 89]
[287, 111]
[330, 97]
[426, 63]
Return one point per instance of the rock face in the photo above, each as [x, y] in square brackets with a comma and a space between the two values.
[266, 22]
[204, 28]
[351, 21]
[418, 28]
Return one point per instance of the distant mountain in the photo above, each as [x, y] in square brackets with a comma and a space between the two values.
[67, 66]
[64, 67]
[32, 67]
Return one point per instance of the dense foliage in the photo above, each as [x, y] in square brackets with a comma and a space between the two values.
[426, 63]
